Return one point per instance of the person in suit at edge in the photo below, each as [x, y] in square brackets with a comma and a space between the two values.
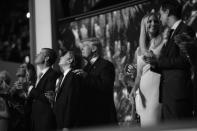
[176, 86]
[42, 116]
[66, 105]
[99, 75]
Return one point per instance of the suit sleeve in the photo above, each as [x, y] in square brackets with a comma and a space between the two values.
[37, 93]
[192, 48]
[71, 116]
[34, 93]
[179, 62]
[104, 80]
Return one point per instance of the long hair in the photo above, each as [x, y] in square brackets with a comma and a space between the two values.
[144, 39]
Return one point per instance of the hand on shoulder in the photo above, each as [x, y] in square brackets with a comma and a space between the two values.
[80, 72]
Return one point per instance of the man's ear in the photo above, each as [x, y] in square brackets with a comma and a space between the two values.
[94, 48]
[167, 11]
[46, 59]
[70, 60]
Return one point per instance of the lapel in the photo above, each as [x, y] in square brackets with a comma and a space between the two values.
[170, 42]
[65, 83]
[180, 26]
[87, 67]
[94, 66]
[41, 81]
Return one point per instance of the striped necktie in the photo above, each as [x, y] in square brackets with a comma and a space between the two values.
[58, 86]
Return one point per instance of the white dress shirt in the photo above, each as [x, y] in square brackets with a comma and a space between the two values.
[93, 60]
[176, 24]
[38, 79]
[65, 73]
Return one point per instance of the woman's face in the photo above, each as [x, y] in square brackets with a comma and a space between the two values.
[153, 25]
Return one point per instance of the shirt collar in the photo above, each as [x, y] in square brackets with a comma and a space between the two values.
[176, 24]
[44, 70]
[93, 60]
[61, 79]
[66, 71]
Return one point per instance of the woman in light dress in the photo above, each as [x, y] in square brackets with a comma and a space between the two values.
[146, 89]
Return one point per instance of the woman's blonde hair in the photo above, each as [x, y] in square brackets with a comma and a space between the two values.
[144, 38]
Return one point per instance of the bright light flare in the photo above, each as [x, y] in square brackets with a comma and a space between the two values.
[28, 15]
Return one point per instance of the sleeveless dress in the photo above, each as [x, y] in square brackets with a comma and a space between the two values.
[147, 96]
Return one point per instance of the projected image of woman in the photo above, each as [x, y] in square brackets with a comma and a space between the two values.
[146, 89]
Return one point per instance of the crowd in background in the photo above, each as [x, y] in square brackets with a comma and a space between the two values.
[14, 42]
[14, 31]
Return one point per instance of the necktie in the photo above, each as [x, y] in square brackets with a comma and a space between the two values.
[169, 35]
[87, 67]
[171, 31]
[59, 82]
[58, 86]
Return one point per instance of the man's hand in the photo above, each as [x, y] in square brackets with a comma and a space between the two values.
[187, 46]
[184, 46]
[50, 95]
[150, 59]
[184, 37]
[131, 69]
[80, 72]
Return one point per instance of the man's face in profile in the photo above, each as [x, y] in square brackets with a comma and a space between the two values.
[163, 16]
[65, 59]
[40, 58]
[86, 49]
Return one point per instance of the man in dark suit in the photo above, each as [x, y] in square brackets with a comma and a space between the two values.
[66, 105]
[42, 114]
[176, 85]
[99, 82]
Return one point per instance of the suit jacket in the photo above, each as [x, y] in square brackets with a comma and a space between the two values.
[175, 68]
[42, 114]
[66, 107]
[99, 104]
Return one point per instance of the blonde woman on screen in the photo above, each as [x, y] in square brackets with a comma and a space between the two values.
[146, 89]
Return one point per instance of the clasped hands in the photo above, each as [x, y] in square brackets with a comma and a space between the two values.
[150, 58]
[50, 95]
